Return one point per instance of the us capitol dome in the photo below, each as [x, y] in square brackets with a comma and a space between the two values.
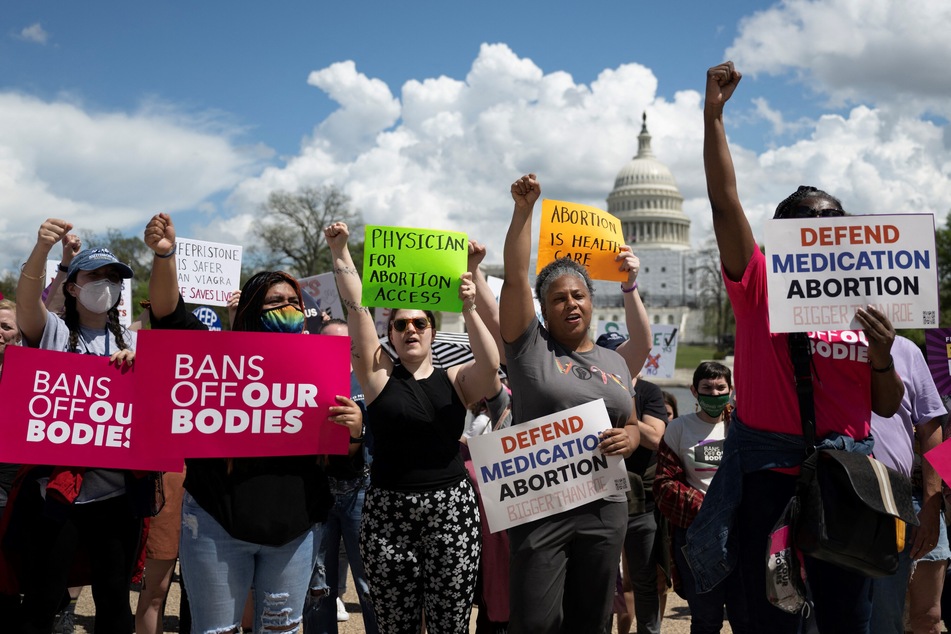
[649, 205]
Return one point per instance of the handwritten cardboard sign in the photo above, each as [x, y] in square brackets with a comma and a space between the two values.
[545, 466]
[76, 410]
[588, 235]
[413, 268]
[208, 272]
[234, 394]
[820, 270]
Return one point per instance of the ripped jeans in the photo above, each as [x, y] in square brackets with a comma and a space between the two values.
[343, 522]
[220, 570]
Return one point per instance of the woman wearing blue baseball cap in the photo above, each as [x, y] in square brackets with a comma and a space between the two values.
[69, 511]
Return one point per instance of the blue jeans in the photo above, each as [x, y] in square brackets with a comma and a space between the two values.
[706, 610]
[220, 570]
[888, 593]
[320, 611]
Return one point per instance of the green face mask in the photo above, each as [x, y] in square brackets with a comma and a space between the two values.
[713, 405]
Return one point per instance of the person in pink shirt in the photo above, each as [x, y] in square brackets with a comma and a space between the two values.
[852, 376]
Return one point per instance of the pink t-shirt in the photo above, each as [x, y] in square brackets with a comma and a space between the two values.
[764, 381]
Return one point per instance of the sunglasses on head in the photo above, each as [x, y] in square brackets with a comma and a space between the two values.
[419, 323]
[804, 211]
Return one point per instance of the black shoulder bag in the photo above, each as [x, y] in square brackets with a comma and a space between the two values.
[852, 509]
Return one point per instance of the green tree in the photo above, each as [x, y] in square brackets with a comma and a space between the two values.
[8, 284]
[292, 229]
[718, 317]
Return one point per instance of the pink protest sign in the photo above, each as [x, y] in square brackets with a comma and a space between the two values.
[242, 394]
[940, 459]
[68, 409]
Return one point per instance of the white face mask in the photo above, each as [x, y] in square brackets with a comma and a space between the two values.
[100, 296]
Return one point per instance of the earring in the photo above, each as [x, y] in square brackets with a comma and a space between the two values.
[696, 407]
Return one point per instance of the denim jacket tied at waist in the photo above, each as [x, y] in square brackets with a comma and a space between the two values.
[710, 547]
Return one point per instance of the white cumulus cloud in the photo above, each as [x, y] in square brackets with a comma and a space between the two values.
[103, 170]
[443, 151]
[34, 33]
[895, 54]
[446, 157]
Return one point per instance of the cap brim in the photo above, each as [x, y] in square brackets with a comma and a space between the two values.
[124, 269]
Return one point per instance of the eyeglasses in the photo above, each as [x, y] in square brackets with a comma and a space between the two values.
[803, 211]
[419, 323]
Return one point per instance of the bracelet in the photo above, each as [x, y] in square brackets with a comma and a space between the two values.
[356, 441]
[38, 278]
[170, 253]
[469, 309]
[628, 290]
[887, 368]
[62, 268]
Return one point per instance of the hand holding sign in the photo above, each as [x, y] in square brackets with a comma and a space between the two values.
[467, 291]
[630, 263]
[347, 414]
[122, 357]
[880, 334]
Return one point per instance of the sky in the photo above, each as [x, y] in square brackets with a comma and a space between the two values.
[424, 112]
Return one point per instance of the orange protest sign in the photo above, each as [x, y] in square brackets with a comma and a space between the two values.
[588, 235]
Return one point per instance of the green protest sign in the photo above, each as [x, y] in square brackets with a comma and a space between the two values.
[413, 268]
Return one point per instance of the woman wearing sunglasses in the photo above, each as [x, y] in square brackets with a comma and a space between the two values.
[727, 539]
[420, 534]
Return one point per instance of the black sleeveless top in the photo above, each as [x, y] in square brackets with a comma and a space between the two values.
[416, 448]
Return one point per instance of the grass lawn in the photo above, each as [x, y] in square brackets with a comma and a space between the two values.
[690, 356]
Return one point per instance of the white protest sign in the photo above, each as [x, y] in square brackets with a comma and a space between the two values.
[545, 466]
[495, 285]
[662, 359]
[208, 272]
[820, 270]
[125, 304]
[323, 288]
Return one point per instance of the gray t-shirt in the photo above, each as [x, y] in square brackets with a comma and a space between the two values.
[98, 484]
[547, 378]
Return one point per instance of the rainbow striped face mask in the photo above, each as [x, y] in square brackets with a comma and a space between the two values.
[287, 318]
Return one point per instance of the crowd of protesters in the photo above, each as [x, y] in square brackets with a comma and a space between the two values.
[258, 539]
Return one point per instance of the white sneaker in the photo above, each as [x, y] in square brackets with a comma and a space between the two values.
[342, 614]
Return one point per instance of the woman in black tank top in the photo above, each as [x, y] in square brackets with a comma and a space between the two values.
[420, 536]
